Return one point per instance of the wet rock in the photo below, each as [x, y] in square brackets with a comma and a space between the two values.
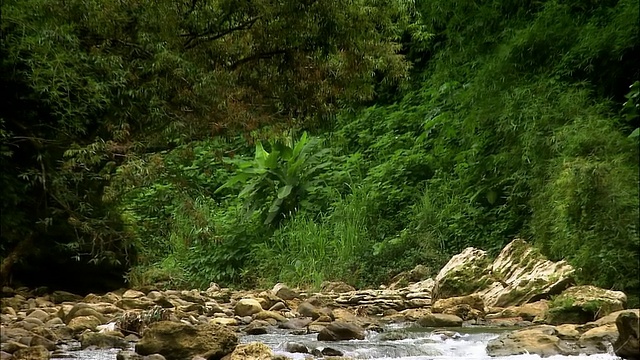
[5, 355]
[339, 330]
[128, 355]
[439, 320]
[107, 340]
[627, 346]
[257, 327]
[538, 340]
[247, 307]
[581, 304]
[294, 347]
[178, 341]
[393, 335]
[32, 353]
[600, 338]
[295, 324]
[331, 352]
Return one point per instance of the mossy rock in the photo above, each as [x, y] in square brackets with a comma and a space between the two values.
[581, 304]
[464, 274]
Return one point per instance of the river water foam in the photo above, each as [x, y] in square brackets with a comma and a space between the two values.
[467, 343]
[418, 345]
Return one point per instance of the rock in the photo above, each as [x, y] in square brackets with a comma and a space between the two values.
[278, 306]
[58, 297]
[520, 274]
[474, 301]
[139, 303]
[284, 292]
[247, 307]
[528, 312]
[464, 311]
[439, 320]
[599, 338]
[37, 340]
[81, 323]
[157, 357]
[538, 340]
[5, 356]
[251, 351]
[417, 274]
[132, 294]
[83, 309]
[176, 340]
[32, 353]
[331, 352]
[581, 304]
[39, 314]
[265, 314]
[464, 274]
[224, 321]
[107, 340]
[128, 355]
[257, 327]
[336, 287]
[567, 332]
[13, 346]
[295, 324]
[339, 330]
[627, 346]
[294, 347]
[393, 335]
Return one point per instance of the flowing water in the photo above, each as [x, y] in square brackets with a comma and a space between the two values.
[416, 344]
[411, 344]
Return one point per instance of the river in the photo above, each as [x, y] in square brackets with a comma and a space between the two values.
[411, 344]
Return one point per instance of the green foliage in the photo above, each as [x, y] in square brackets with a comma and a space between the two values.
[307, 251]
[283, 181]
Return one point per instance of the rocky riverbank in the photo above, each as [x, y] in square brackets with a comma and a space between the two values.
[519, 288]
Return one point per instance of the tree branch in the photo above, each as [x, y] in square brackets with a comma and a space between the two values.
[195, 39]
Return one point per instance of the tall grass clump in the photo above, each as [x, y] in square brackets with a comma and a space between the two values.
[307, 251]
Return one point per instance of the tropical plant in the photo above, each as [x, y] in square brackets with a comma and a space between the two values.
[280, 182]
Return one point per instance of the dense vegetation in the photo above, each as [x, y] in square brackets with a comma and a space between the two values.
[253, 142]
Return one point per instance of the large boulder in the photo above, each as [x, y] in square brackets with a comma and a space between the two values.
[464, 274]
[176, 340]
[627, 346]
[520, 274]
[581, 304]
[542, 340]
[339, 330]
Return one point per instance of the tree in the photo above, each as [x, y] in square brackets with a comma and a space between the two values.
[90, 86]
